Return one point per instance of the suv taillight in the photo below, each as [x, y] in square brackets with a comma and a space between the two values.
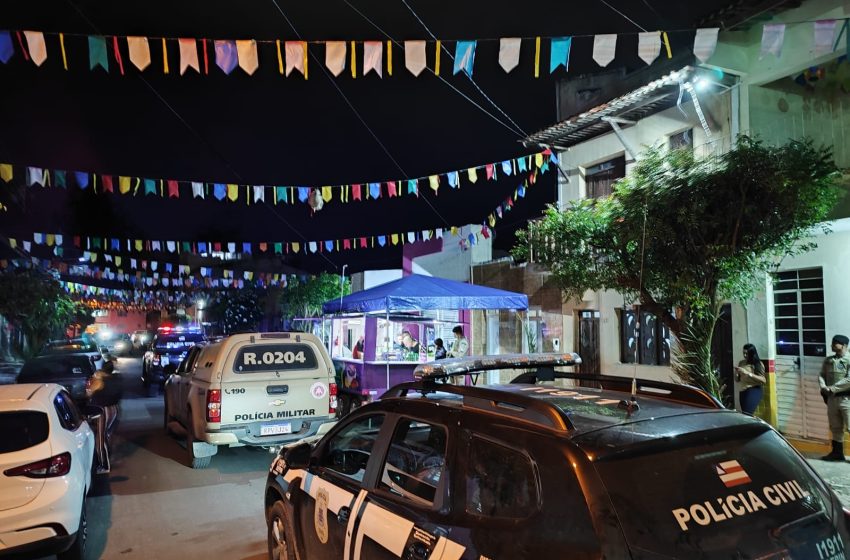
[214, 405]
[58, 465]
[332, 399]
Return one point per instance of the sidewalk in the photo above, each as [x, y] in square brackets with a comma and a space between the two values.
[9, 371]
[837, 475]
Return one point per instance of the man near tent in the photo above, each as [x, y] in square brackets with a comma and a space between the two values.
[835, 389]
[460, 347]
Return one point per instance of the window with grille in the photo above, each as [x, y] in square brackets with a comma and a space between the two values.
[682, 140]
[798, 306]
[647, 342]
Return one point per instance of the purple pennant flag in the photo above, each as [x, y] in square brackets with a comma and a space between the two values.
[6, 47]
[226, 56]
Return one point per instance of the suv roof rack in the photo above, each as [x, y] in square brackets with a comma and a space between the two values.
[445, 369]
[523, 407]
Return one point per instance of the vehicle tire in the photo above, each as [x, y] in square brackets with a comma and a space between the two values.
[194, 462]
[78, 549]
[277, 538]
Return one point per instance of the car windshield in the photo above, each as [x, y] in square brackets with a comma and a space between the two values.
[177, 341]
[733, 498]
[45, 369]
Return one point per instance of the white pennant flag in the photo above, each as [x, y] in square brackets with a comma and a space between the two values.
[140, 52]
[509, 53]
[773, 35]
[294, 56]
[259, 193]
[604, 48]
[246, 50]
[411, 236]
[188, 55]
[705, 41]
[197, 190]
[171, 246]
[373, 57]
[36, 46]
[335, 56]
[58, 239]
[156, 246]
[231, 247]
[414, 56]
[824, 36]
[649, 46]
[439, 233]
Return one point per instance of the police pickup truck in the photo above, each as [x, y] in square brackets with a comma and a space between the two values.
[260, 389]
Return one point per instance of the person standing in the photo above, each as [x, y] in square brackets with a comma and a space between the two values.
[104, 393]
[835, 389]
[461, 346]
[750, 375]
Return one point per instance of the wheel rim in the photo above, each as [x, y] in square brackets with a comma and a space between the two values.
[278, 534]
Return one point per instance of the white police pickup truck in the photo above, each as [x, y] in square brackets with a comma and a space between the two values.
[260, 389]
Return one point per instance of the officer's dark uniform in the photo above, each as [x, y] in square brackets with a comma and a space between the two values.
[835, 388]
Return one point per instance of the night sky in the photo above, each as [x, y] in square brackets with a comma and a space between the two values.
[269, 130]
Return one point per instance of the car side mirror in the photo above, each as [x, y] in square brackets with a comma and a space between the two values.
[298, 457]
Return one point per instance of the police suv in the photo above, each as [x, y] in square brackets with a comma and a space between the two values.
[260, 389]
[553, 465]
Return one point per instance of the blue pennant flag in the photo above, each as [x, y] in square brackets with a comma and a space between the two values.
[560, 53]
[115, 244]
[507, 167]
[520, 192]
[169, 267]
[412, 186]
[464, 57]
[281, 194]
[303, 193]
[82, 179]
[246, 248]
[382, 240]
[522, 165]
[375, 190]
[150, 186]
[6, 47]
[219, 190]
[329, 246]
[202, 247]
[454, 181]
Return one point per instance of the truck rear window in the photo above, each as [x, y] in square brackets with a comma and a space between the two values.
[22, 429]
[734, 498]
[274, 357]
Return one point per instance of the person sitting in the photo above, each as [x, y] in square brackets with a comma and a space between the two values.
[357, 353]
[409, 344]
[439, 349]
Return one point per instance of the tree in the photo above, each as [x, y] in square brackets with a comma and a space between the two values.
[34, 301]
[681, 235]
[303, 297]
[242, 310]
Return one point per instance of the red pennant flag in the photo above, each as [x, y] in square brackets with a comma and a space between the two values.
[206, 59]
[485, 232]
[391, 188]
[355, 192]
[346, 244]
[117, 53]
[23, 48]
[106, 180]
[217, 247]
[77, 241]
[263, 247]
[362, 242]
[173, 189]
[547, 152]
[489, 168]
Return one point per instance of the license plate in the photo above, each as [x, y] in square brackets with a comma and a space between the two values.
[274, 429]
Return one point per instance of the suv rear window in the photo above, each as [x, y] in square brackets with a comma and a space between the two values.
[22, 429]
[733, 498]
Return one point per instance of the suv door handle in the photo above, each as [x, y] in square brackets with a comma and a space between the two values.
[344, 514]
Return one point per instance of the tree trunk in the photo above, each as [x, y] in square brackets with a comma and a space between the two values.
[692, 362]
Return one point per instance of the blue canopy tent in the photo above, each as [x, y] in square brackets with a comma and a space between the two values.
[417, 292]
[407, 295]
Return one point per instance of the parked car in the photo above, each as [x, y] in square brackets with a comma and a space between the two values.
[75, 346]
[573, 467]
[169, 346]
[72, 371]
[258, 389]
[45, 472]
[114, 342]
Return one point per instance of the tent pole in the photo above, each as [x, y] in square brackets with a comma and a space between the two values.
[388, 341]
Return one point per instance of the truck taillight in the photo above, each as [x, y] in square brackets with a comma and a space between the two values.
[214, 405]
[332, 399]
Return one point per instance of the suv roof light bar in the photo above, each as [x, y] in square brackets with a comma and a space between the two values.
[445, 369]
[524, 407]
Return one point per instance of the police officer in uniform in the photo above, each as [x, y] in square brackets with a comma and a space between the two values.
[835, 389]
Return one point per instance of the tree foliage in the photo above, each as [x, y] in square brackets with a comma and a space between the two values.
[241, 310]
[681, 234]
[303, 296]
[35, 301]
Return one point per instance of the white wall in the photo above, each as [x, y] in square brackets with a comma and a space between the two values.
[452, 261]
[370, 278]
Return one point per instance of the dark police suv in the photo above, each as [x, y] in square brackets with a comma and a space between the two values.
[553, 465]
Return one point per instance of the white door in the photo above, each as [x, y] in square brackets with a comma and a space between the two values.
[800, 351]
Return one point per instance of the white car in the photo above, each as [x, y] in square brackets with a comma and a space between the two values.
[46, 454]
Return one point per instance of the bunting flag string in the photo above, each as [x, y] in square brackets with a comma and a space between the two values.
[253, 194]
[245, 53]
[130, 252]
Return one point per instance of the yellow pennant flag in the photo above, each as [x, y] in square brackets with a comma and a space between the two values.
[454, 230]
[13, 243]
[353, 59]
[666, 41]
[6, 172]
[232, 192]
[394, 238]
[123, 185]
[537, 57]
[305, 58]
[138, 245]
[437, 60]
[50, 239]
[92, 257]
[164, 57]
[434, 181]
[327, 194]
[390, 58]
[492, 220]
[62, 48]
[279, 57]
[118, 260]
[295, 246]
[472, 173]
[538, 160]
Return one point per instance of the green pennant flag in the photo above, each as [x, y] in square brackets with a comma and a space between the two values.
[278, 248]
[97, 52]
